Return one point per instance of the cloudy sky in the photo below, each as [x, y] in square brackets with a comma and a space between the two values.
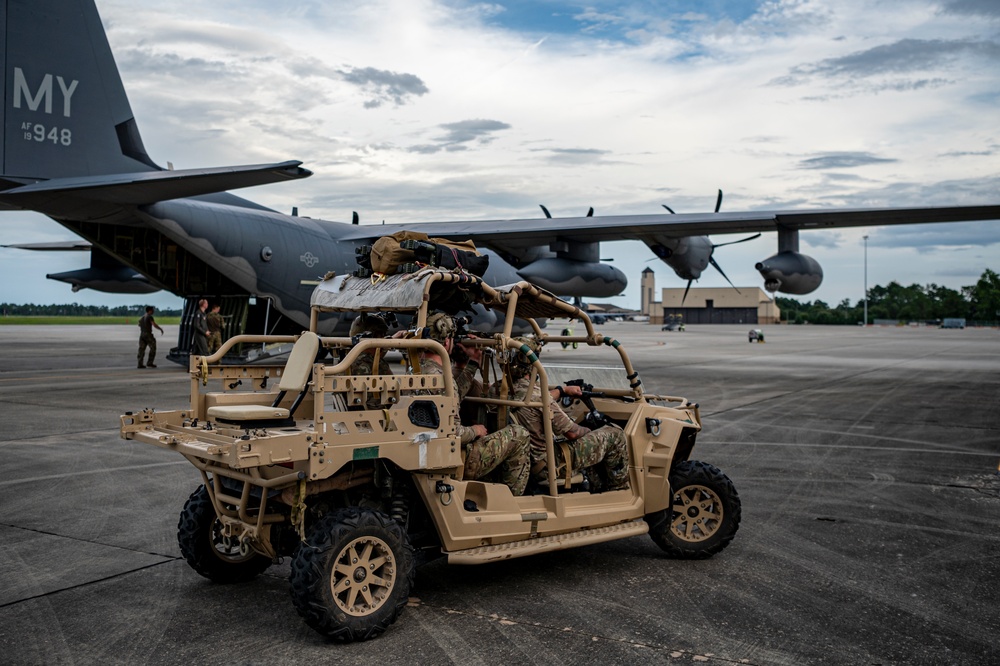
[416, 110]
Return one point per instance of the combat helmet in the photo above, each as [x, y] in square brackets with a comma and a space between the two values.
[521, 363]
[440, 327]
[369, 323]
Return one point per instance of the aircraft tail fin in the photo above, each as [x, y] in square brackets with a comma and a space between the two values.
[65, 112]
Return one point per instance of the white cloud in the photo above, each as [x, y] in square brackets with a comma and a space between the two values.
[422, 110]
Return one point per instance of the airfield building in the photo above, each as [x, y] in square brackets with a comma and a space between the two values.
[708, 305]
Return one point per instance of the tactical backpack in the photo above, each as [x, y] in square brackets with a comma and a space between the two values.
[410, 251]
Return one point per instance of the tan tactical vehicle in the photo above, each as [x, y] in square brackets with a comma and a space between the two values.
[358, 479]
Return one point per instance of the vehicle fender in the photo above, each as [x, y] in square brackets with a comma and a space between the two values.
[659, 436]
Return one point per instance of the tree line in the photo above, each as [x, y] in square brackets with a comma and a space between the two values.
[78, 310]
[979, 303]
[929, 303]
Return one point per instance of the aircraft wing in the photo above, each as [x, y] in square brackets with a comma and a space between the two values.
[538, 231]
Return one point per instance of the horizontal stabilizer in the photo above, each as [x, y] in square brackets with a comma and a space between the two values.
[55, 246]
[146, 187]
[108, 280]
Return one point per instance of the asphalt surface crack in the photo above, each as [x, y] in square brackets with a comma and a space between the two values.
[167, 559]
[88, 583]
[981, 489]
[172, 558]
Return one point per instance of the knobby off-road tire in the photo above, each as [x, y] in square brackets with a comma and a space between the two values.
[351, 579]
[199, 535]
[704, 514]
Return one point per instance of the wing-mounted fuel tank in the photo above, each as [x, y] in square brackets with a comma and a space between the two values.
[568, 276]
[574, 267]
[789, 271]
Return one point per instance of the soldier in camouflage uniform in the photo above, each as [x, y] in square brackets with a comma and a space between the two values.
[146, 337]
[506, 452]
[603, 449]
[370, 362]
[369, 326]
[215, 324]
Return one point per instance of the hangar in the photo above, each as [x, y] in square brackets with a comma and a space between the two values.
[708, 305]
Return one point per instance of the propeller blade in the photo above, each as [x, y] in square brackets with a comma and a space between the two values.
[354, 217]
[712, 261]
[742, 240]
[686, 290]
[546, 211]
[590, 213]
[669, 209]
[718, 202]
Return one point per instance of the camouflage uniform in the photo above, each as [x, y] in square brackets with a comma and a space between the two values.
[215, 323]
[365, 365]
[147, 339]
[603, 449]
[504, 453]
[373, 326]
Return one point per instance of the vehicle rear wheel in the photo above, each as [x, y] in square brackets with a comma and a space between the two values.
[199, 535]
[351, 579]
[704, 514]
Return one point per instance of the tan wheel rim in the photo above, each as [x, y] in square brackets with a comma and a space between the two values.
[363, 576]
[697, 513]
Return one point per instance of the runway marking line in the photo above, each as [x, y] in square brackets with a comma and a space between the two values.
[849, 446]
[50, 477]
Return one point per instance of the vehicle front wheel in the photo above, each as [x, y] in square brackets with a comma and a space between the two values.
[351, 579]
[199, 535]
[704, 514]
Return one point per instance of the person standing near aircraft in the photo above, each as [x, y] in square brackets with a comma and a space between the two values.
[215, 324]
[146, 337]
[199, 326]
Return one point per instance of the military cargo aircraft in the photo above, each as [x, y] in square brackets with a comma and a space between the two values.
[71, 150]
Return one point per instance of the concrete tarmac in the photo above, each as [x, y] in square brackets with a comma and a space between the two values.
[866, 460]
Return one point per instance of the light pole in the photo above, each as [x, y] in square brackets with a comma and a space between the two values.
[866, 281]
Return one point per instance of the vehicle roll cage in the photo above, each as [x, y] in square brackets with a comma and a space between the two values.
[421, 293]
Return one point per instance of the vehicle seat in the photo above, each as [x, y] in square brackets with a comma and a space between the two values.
[295, 377]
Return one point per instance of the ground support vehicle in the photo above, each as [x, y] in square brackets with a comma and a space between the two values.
[358, 478]
[674, 322]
